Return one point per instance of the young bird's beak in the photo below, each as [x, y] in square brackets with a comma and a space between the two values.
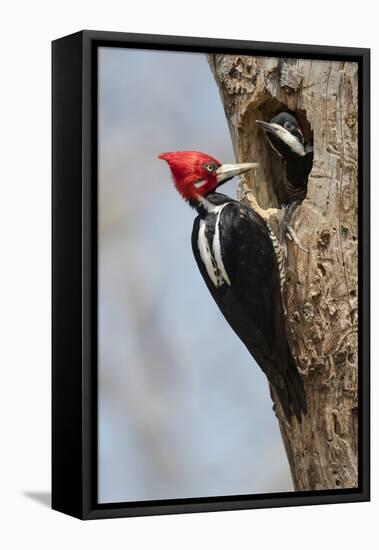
[284, 135]
[227, 171]
[272, 128]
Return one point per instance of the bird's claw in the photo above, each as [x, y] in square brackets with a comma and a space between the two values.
[290, 232]
[286, 230]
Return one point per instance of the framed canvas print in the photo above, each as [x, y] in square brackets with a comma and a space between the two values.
[210, 275]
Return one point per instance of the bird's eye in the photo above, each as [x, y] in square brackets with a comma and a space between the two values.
[209, 167]
[288, 125]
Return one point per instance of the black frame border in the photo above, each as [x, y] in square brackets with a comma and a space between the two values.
[74, 294]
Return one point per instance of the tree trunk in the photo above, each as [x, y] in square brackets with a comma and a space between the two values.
[320, 295]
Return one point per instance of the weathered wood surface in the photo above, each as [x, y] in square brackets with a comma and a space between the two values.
[321, 288]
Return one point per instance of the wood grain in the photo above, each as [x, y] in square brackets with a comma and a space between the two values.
[321, 284]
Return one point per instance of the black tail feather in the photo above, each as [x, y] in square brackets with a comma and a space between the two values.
[291, 394]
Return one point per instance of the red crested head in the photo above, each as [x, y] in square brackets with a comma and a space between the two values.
[196, 174]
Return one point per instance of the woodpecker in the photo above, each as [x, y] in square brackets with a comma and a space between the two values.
[235, 256]
[287, 140]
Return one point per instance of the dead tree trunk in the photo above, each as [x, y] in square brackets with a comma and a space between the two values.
[321, 284]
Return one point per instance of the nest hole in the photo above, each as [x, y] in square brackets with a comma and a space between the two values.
[269, 177]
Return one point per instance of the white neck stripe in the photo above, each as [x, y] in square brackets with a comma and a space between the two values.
[211, 254]
[209, 207]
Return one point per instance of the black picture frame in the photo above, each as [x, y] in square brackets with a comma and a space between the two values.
[74, 272]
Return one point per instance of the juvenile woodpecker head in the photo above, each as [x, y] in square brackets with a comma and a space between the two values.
[196, 174]
[285, 135]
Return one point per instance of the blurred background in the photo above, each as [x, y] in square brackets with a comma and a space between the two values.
[183, 409]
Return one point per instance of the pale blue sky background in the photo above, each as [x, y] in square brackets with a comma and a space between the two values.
[183, 409]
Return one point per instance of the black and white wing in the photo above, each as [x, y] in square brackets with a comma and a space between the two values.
[236, 258]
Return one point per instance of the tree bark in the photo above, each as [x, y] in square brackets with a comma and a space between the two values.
[321, 292]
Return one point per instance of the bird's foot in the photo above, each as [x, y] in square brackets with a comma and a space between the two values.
[291, 234]
[286, 230]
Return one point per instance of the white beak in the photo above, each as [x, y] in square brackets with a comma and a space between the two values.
[227, 171]
[284, 135]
